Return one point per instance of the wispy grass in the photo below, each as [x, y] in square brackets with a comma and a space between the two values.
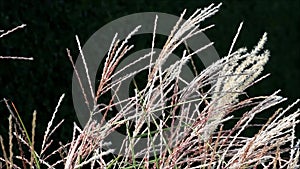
[193, 138]
[5, 33]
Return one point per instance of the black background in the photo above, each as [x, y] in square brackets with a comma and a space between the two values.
[52, 26]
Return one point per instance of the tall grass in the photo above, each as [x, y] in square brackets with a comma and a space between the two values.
[191, 133]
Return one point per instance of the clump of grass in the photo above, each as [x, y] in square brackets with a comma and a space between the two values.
[193, 138]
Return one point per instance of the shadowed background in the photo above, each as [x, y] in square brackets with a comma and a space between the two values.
[52, 26]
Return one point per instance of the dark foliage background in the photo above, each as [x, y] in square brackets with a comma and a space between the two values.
[52, 26]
